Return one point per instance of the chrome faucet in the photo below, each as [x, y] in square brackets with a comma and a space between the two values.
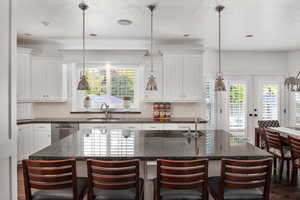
[106, 110]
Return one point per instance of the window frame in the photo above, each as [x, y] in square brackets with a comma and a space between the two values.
[77, 68]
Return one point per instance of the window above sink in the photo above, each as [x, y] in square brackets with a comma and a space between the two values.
[109, 83]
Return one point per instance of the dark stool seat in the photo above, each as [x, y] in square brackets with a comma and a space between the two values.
[234, 194]
[126, 194]
[62, 194]
[188, 194]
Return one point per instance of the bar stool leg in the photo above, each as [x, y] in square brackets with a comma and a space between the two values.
[281, 169]
[275, 166]
[288, 170]
[294, 175]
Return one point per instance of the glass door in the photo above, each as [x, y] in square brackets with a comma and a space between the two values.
[249, 99]
[237, 104]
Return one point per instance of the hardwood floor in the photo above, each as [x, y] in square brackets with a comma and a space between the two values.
[278, 191]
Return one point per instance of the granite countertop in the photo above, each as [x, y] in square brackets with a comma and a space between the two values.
[150, 145]
[119, 120]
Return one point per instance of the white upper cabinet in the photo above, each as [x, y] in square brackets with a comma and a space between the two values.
[192, 78]
[173, 78]
[158, 72]
[24, 75]
[183, 78]
[49, 80]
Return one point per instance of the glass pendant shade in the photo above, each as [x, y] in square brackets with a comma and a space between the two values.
[292, 84]
[83, 83]
[219, 84]
[151, 85]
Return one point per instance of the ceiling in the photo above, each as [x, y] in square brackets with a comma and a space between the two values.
[275, 24]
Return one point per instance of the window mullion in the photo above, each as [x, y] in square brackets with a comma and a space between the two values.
[108, 84]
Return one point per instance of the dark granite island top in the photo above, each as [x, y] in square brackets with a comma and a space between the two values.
[150, 145]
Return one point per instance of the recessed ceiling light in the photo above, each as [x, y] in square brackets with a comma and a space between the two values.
[27, 34]
[45, 23]
[124, 22]
[186, 35]
[249, 36]
[93, 35]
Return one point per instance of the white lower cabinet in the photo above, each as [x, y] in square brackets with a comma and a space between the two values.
[154, 126]
[32, 138]
[42, 136]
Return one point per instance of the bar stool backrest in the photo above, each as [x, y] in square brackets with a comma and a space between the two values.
[49, 175]
[191, 174]
[274, 142]
[246, 174]
[295, 149]
[113, 175]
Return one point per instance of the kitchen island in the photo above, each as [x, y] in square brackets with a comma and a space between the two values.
[118, 144]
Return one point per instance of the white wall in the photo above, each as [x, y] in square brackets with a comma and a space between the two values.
[247, 62]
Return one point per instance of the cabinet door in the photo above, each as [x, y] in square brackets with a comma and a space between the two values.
[151, 96]
[42, 136]
[192, 78]
[173, 70]
[39, 81]
[23, 77]
[53, 79]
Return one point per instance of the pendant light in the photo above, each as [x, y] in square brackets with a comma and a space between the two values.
[83, 83]
[292, 83]
[219, 84]
[151, 85]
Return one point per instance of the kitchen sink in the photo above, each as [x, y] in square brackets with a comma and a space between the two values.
[103, 119]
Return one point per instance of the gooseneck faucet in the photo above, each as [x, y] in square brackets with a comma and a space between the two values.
[105, 108]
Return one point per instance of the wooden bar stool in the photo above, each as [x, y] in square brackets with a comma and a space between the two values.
[115, 180]
[263, 125]
[53, 180]
[181, 180]
[295, 152]
[280, 152]
[242, 179]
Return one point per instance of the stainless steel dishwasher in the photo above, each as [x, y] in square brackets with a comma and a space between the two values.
[62, 130]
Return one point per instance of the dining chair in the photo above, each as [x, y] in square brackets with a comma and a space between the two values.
[53, 180]
[115, 180]
[295, 152]
[263, 124]
[279, 151]
[242, 179]
[181, 180]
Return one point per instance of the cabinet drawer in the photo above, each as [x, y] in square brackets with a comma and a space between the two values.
[132, 126]
[183, 126]
[179, 126]
[100, 126]
[153, 126]
[46, 127]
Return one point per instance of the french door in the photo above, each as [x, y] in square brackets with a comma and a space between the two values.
[8, 147]
[249, 99]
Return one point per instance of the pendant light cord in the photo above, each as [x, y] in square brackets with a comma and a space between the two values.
[219, 40]
[83, 42]
[152, 40]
